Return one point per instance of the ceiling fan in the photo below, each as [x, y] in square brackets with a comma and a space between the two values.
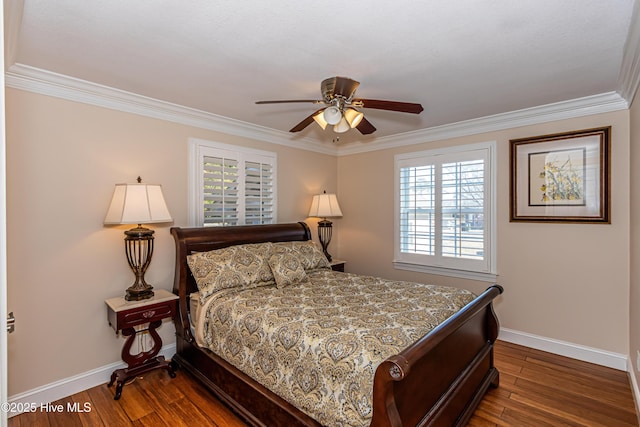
[340, 107]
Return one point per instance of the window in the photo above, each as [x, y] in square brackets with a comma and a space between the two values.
[231, 185]
[445, 204]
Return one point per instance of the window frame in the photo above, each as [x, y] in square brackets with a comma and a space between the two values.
[199, 149]
[483, 270]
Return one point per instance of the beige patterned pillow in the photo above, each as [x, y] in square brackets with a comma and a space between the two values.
[308, 252]
[287, 269]
[241, 266]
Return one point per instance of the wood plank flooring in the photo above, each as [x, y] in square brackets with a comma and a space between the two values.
[543, 389]
[536, 389]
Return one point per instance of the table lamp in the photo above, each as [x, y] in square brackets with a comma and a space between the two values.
[138, 204]
[325, 206]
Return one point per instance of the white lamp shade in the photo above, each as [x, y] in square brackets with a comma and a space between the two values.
[342, 126]
[325, 206]
[354, 117]
[137, 204]
[332, 115]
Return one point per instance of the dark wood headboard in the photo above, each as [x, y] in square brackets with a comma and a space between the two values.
[203, 239]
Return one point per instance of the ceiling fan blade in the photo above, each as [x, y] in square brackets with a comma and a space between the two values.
[286, 101]
[365, 127]
[345, 86]
[306, 122]
[403, 107]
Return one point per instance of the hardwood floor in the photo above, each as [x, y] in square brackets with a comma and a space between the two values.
[536, 389]
[543, 389]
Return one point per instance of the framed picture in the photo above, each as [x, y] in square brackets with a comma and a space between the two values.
[562, 177]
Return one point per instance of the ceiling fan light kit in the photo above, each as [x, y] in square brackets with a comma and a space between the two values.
[342, 126]
[354, 117]
[337, 94]
[332, 115]
[319, 118]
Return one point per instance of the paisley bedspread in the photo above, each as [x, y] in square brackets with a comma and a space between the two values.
[317, 344]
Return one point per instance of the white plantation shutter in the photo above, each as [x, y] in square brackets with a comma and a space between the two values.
[220, 191]
[417, 207]
[231, 185]
[445, 209]
[258, 193]
[463, 209]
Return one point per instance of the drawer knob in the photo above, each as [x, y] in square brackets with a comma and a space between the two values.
[148, 314]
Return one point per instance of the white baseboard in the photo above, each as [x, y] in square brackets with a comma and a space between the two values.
[634, 386]
[563, 348]
[68, 386]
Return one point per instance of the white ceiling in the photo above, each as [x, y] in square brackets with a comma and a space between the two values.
[461, 59]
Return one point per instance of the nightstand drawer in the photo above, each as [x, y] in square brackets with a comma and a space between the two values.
[137, 316]
[146, 314]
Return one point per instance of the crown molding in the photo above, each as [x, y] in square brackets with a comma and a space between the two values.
[596, 104]
[44, 82]
[24, 77]
[629, 79]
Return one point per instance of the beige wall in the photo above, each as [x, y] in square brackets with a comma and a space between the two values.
[567, 282]
[634, 297]
[63, 159]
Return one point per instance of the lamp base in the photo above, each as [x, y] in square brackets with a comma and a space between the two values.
[134, 295]
[139, 249]
[324, 235]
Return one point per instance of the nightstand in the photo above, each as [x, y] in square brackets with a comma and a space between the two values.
[125, 316]
[337, 265]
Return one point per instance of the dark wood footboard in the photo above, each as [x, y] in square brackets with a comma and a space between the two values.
[441, 378]
[438, 381]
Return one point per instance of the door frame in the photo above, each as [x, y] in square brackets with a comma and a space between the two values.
[4, 393]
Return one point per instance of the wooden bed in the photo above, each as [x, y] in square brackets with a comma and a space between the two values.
[438, 380]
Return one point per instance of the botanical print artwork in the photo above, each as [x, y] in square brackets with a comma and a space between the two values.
[562, 177]
[557, 178]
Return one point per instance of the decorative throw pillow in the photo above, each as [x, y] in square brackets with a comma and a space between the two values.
[308, 252]
[287, 269]
[241, 266]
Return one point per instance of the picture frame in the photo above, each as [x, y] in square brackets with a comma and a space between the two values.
[564, 177]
